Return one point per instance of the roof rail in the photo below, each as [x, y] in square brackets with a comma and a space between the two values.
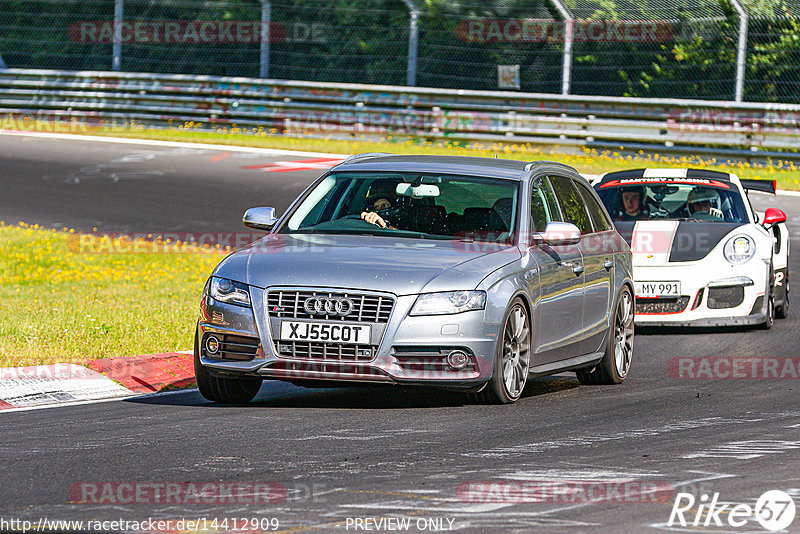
[366, 155]
[529, 166]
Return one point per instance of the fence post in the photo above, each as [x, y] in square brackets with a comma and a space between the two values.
[266, 20]
[413, 40]
[741, 51]
[569, 36]
[116, 52]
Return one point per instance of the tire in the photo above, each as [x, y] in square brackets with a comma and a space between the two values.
[616, 362]
[782, 311]
[770, 320]
[227, 390]
[512, 358]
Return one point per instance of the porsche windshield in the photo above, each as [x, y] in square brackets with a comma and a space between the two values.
[409, 205]
[672, 199]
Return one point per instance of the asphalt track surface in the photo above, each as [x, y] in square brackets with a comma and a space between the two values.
[355, 453]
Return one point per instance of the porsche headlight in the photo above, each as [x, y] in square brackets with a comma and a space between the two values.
[739, 249]
[449, 302]
[225, 290]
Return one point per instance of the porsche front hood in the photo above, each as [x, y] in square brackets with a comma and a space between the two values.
[659, 242]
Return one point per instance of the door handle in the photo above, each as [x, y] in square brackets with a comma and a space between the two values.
[578, 269]
[608, 264]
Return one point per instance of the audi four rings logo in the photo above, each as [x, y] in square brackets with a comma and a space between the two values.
[328, 305]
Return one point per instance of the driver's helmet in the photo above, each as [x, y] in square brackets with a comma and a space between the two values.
[701, 195]
[634, 189]
[382, 198]
[631, 189]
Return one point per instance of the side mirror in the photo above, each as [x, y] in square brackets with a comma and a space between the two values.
[773, 216]
[559, 234]
[260, 218]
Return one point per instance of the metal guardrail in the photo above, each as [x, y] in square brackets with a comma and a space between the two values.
[717, 128]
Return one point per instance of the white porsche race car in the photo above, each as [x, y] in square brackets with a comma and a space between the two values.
[701, 255]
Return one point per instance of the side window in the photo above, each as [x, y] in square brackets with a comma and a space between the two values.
[599, 219]
[544, 207]
[572, 204]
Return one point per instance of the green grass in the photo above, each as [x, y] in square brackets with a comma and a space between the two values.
[787, 173]
[60, 304]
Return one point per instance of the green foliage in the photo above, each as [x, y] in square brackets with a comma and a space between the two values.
[366, 41]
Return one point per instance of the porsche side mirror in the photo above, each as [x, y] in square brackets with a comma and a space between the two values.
[773, 216]
[260, 218]
[558, 234]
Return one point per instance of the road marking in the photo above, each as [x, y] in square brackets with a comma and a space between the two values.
[746, 450]
[177, 144]
[313, 164]
[220, 156]
[582, 441]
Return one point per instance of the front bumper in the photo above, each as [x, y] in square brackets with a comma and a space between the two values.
[702, 289]
[409, 350]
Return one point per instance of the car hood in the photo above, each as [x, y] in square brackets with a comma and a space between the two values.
[660, 242]
[400, 266]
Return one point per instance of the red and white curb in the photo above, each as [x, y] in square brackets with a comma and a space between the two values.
[104, 379]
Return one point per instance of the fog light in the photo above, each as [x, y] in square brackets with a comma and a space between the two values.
[212, 345]
[457, 360]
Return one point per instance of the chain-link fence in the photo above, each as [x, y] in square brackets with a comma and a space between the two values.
[707, 49]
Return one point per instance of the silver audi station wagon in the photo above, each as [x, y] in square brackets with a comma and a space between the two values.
[464, 273]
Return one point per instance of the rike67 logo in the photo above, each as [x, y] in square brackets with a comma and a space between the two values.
[774, 510]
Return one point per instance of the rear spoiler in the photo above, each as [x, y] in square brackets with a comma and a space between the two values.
[767, 186]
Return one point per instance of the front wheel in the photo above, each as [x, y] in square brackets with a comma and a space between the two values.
[770, 320]
[616, 362]
[782, 311]
[227, 390]
[512, 359]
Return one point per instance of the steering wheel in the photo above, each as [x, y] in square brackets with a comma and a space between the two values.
[357, 217]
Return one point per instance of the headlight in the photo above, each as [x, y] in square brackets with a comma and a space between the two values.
[447, 303]
[739, 249]
[225, 290]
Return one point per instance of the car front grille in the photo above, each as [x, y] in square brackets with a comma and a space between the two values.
[299, 369]
[336, 352]
[290, 304]
[231, 347]
[725, 297]
[661, 305]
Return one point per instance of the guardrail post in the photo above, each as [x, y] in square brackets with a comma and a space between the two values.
[116, 52]
[413, 40]
[569, 36]
[266, 16]
[741, 52]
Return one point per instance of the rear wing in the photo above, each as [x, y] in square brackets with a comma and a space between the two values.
[766, 186]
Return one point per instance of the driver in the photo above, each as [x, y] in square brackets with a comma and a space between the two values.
[381, 207]
[632, 198]
[704, 201]
[378, 210]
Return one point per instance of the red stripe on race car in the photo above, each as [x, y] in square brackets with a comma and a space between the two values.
[645, 181]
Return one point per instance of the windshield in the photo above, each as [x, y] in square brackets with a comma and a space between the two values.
[672, 198]
[426, 206]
